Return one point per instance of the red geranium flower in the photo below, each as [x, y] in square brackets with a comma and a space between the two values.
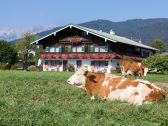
[43, 56]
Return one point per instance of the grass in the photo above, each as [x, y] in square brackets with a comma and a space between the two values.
[156, 78]
[44, 98]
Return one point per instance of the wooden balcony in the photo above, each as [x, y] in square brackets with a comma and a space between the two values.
[103, 56]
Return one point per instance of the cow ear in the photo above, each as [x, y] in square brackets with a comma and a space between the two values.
[85, 73]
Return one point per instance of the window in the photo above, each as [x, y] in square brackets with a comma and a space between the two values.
[46, 62]
[52, 63]
[103, 63]
[99, 63]
[137, 51]
[84, 34]
[78, 49]
[58, 49]
[145, 54]
[58, 62]
[52, 49]
[103, 49]
[73, 49]
[98, 49]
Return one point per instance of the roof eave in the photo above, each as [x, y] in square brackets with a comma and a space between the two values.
[106, 38]
[53, 33]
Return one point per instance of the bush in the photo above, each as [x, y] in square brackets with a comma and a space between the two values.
[4, 66]
[70, 67]
[18, 65]
[157, 62]
[13, 67]
[32, 68]
[8, 53]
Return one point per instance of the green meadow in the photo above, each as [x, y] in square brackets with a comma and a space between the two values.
[45, 99]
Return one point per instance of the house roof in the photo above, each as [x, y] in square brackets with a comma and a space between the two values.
[104, 35]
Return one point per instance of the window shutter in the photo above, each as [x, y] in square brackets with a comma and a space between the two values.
[91, 48]
[83, 48]
[69, 49]
[47, 49]
[60, 49]
[106, 49]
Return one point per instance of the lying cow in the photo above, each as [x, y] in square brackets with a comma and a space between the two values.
[111, 87]
[133, 68]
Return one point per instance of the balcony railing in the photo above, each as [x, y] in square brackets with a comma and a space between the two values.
[65, 56]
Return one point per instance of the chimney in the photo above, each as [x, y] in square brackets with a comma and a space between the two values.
[112, 32]
[140, 41]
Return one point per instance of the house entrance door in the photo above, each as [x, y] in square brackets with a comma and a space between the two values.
[64, 65]
[79, 63]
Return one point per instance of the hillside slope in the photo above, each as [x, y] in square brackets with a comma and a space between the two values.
[145, 30]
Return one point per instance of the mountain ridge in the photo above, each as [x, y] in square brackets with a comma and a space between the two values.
[145, 30]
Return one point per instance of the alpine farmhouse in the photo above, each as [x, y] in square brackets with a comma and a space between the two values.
[77, 45]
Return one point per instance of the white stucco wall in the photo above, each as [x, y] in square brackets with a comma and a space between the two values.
[86, 62]
[61, 68]
[111, 63]
[114, 64]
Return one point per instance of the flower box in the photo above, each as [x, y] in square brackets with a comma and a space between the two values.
[56, 56]
[43, 56]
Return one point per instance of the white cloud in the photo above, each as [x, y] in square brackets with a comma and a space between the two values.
[10, 34]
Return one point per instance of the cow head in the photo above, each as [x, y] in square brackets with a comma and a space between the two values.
[78, 79]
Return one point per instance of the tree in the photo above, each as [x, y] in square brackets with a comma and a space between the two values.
[158, 62]
[23, 46]
[158, 44]
[8, 54]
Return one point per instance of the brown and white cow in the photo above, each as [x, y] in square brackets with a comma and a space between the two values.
[133, 68]
[111, 87]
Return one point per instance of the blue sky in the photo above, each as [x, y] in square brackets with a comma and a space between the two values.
[27, 13]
